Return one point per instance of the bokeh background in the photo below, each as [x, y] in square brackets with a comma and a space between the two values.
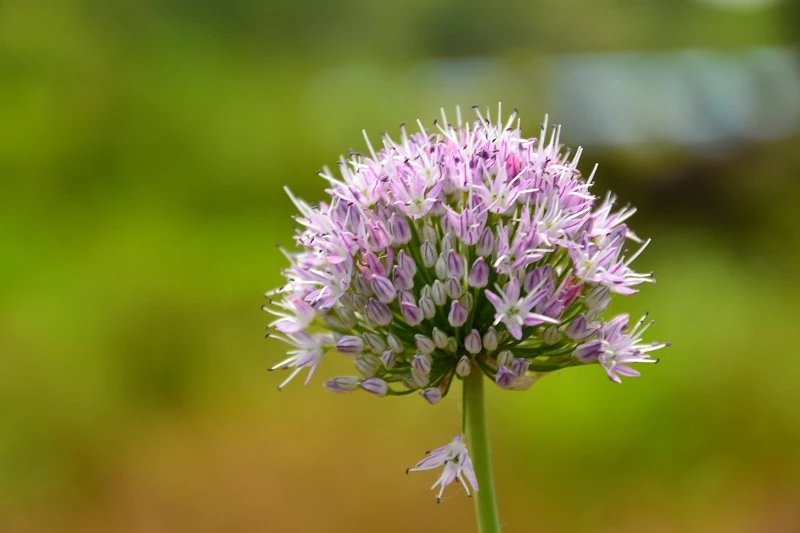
[143, 149]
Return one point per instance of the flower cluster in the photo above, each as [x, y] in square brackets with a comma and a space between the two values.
[462, 248]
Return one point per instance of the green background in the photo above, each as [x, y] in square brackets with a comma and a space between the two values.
[143, 150]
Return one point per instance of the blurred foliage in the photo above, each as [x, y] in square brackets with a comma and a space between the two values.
[143, 150]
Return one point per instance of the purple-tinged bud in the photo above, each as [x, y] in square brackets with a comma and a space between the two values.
[551, 335]
[438, 295]
[403, 280]
[350, 344]
[478, 274]
[485, 246]
[455, 264]
[406, 297]
[589, 351]
[452, 287]
[347, 316]
[448, 243]
[378, 313]
[360, 284]
[357, 302]
[428, 253]
[401, 232]
[376, 386]
[375, 341]
[539, 277]
[424, 344]
[440, 268]
[519, 366]
[405, 262]
[428, 307]
[395, 344]
[421, 363]
[368, 365]
[439, 338]
[342, 384]
[412, 314]
[389, 358]
[458, 314]
[598, 298]
[464, 367]
[429, 233]
[504, 358]
[505, 377]
[432, 395]
[490, 340]
[383, 289]
[425, 291]
[472, 342]
[578, 329]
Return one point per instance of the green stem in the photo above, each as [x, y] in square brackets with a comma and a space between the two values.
[477, 435]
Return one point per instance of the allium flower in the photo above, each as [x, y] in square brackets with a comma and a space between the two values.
[457, 466]
[461, 249]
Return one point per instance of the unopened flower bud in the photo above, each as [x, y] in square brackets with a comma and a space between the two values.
[458, 314]
[401, 232]
[406, 262]
[505, 377]
[368, 365]
[403, 280]
[440, 268]
[437, 293]
[412, 314]
[478, 274]
[472, 342]
[374, 341]
[485, 246]
[578, 329]
[428, 253]
[455, 264]
[432, 395]
[504, 358]
[430, 234]
[439, 338]
[428, 307]
[378, 313]
[383, 289]
[452, 287]
[395, 344]
[350, 344]
[490, 340]
[376, 386]
[519, 366]
[424, 344]
[389, 358]
[551, 335]
[464, 367]
[342, 384]
[448, 243]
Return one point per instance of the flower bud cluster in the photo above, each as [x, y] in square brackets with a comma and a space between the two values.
[467, 248]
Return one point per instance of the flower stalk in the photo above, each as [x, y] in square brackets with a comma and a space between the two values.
[477, 433]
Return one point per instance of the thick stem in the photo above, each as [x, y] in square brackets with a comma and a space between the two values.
[477, 435]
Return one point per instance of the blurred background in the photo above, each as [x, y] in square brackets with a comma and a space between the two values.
[143, 150]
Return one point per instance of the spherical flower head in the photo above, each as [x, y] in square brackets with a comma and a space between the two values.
[460, 248]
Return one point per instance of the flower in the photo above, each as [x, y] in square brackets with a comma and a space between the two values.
[459, 249]
[457, 466]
